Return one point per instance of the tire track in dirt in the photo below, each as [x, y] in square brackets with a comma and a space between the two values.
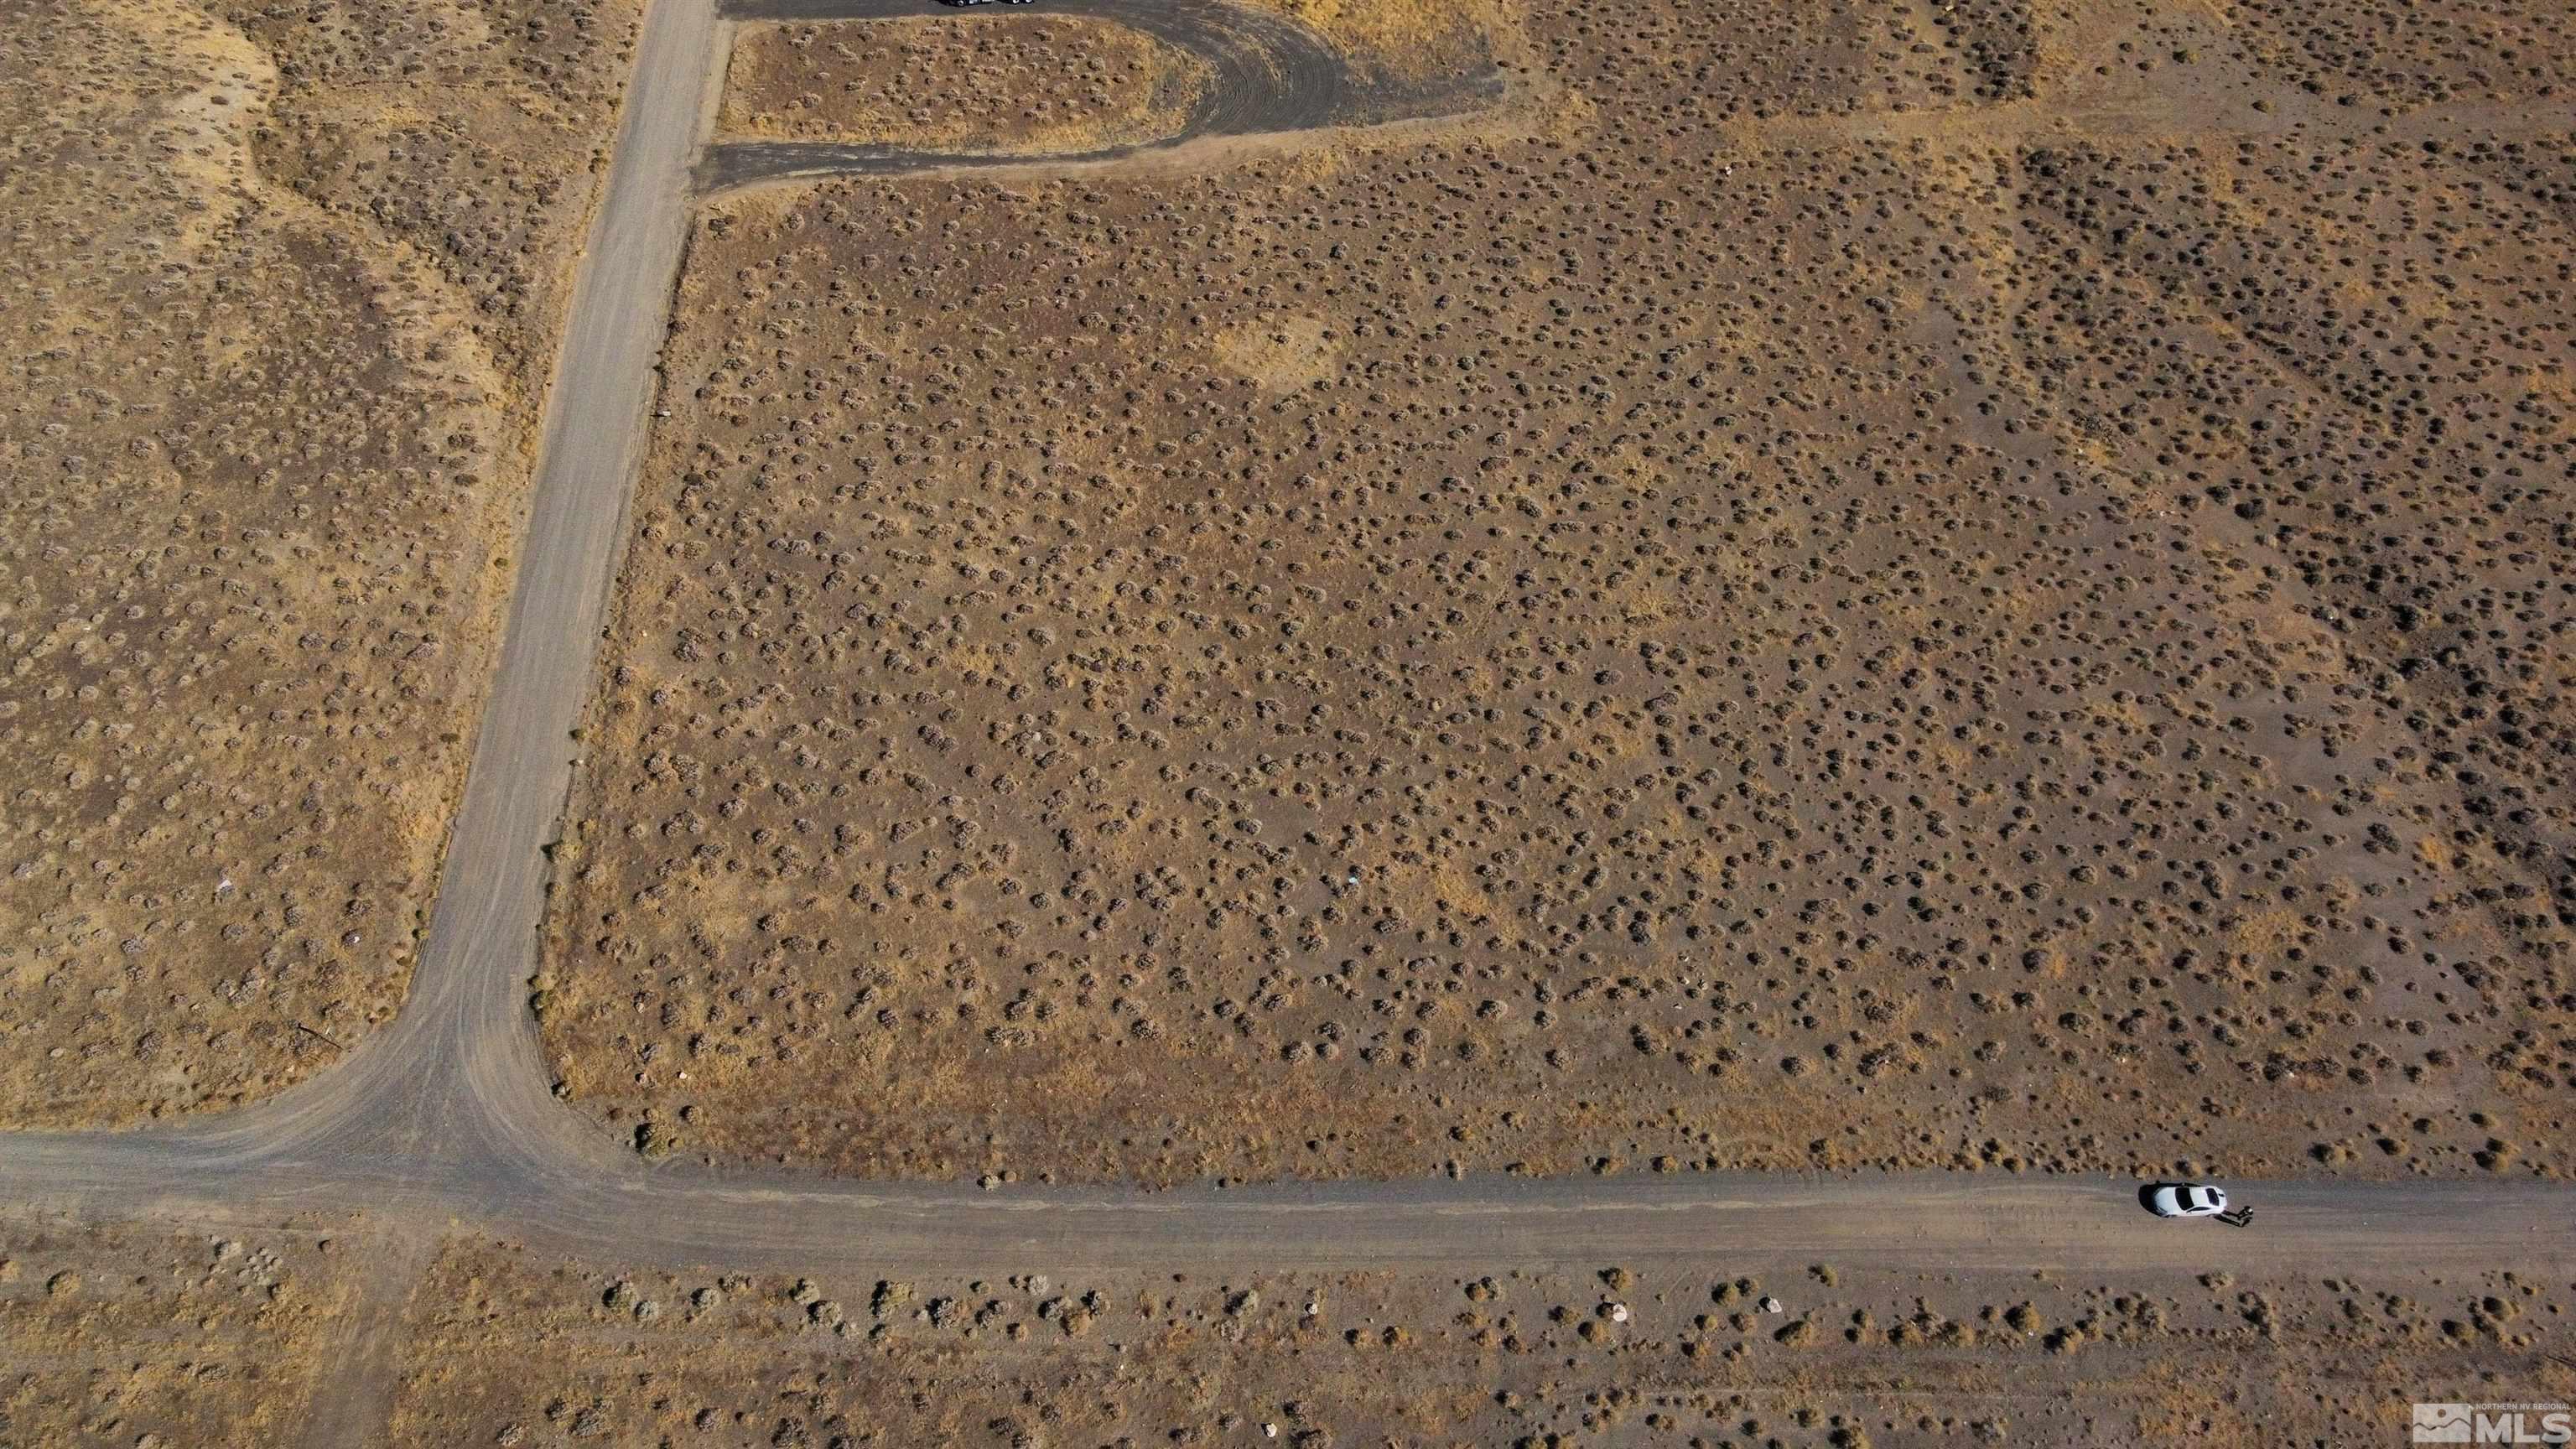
[351, 1406]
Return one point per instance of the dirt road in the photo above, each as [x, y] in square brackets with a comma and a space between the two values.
[1267, 75]
[445, 1119]
[687, 1215]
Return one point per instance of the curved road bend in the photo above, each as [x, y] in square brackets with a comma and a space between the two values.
[1267, 75]
[443, 1119]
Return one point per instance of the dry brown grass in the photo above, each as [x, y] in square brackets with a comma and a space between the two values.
[1407, 38]
[1719, 642]
[285, 286]
[510, 1350]
[1012, 84]
[131, 1338]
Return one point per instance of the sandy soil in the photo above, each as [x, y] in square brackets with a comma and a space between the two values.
[1011, 84]
[2021, 636]
[286, 288]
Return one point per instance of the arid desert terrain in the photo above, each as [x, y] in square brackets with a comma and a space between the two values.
[285, 289]
[1671, 627]
[1484, 723]
[218, 1341]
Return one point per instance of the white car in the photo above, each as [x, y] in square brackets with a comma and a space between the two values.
[2187, 1200]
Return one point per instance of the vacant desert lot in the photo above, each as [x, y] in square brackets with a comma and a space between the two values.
[283, 289]
[1011, 83]
[111, 1339]
[137, 1336]
[1734, 625]
[499, 1346]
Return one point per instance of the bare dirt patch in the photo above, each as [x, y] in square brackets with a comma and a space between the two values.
[286, 285]
[1008, 84]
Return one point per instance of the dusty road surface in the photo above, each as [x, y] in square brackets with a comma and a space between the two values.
[1267, 75]
[550, 1191]
[446, 1119]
